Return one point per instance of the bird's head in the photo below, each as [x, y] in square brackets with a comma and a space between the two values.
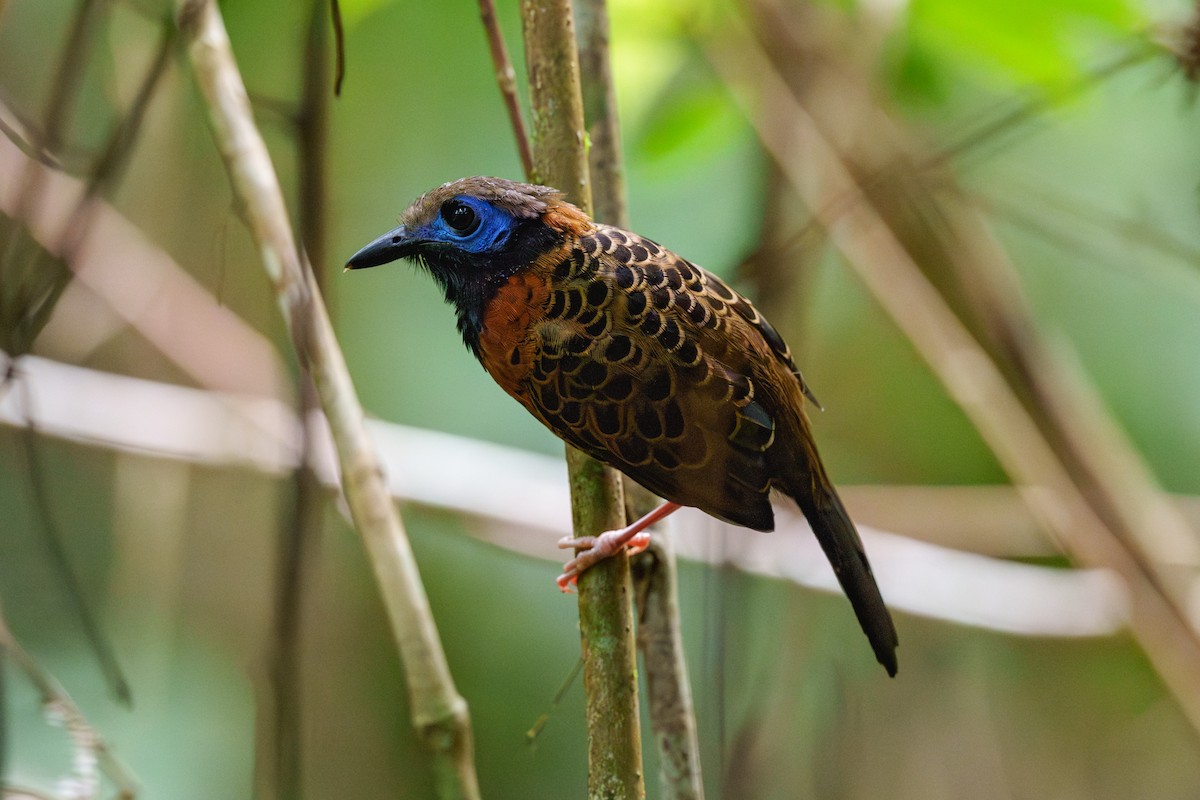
[472, 231]
[472, 235]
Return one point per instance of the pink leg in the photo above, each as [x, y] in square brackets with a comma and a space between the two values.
[594, 549]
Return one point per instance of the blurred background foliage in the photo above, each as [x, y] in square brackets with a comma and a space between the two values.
[1067, 122]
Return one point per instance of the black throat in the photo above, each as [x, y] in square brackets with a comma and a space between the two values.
[471, 280]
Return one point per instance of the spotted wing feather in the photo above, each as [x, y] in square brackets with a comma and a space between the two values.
[645, 361]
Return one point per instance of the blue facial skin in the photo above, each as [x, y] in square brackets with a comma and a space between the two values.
[489, 235]
[469, 262]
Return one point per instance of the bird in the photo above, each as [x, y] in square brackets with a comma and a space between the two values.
[637, 357]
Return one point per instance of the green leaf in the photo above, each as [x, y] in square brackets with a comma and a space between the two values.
[687, 117]
[1025, 41]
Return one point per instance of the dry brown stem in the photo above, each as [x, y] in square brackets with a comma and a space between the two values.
[506, 79]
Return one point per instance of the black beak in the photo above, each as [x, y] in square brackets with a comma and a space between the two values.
[393, 245]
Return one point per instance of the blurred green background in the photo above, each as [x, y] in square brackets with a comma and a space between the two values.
[1092, 190]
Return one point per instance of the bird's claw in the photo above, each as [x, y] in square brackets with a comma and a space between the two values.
[578, 542]
[594, 549]
[637, 544]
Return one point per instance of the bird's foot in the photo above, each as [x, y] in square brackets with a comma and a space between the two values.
[594, 549]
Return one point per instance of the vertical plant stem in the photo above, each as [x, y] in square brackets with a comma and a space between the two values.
[552, 67]
[439, 712]
[279, 762]
[312, 129]
[609, 647]
[667, 687]
[669, 693]
[600, 115]
[605, 590]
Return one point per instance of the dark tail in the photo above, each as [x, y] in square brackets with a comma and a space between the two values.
[844, 549]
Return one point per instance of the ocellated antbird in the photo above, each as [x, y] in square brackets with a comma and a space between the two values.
[637, 357]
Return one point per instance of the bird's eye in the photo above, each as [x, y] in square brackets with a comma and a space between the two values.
[461, 218]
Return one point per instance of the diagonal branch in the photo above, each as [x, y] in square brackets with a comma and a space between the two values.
[439, 713]
[35, 283]
[971, 376]
[92, 751]
[506, 79]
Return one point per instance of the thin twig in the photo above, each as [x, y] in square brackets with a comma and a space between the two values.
[605, 590]
[18, 263]
[439, 713]
[1043, 212]
[312, 132]
[339, 42]
[24, 143]
[1010, 120]
[30, 272]
[1007, 121]
[539, 724]
[667, 686]
[279, 767]
[88, 744]
[506, 79]
[145, 290]
[120, 144]
[52, 283]
[52, 536]
[16, 266]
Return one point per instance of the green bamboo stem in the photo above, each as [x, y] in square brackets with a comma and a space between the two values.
[668, 691]
[439, 713]
[609, 647]
[605, 591]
